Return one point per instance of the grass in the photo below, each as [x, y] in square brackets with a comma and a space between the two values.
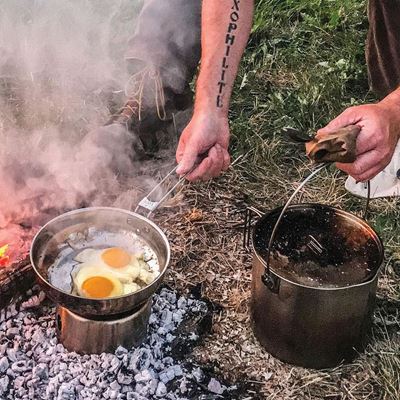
[304, 65]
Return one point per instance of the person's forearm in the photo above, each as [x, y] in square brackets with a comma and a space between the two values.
[392, 103]
[226, 27]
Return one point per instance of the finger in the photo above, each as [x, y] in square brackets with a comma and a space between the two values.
[199, 171]
[187, 161]
[365, 143]
[227, 160]
[368, 161]
[370, 174]
[212, 168]
[350, 116]
[217, 161]
[180, 150]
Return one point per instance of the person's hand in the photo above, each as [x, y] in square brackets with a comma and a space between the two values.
[380, 132]
[205, 141]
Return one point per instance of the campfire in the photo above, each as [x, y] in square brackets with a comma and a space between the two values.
[15, 242]
[4, 257]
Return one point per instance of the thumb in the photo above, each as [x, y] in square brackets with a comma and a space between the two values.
[187, 162]
[350, 116]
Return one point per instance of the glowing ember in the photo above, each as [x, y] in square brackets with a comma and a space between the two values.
[3, 250]
[4, 258]
[15, 242]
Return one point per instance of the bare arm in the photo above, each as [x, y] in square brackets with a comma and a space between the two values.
[226, 27]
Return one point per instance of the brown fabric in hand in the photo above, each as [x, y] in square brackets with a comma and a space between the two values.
[339, 146]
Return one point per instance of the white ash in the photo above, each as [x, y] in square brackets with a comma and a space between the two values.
[215, 387]
[33, 365]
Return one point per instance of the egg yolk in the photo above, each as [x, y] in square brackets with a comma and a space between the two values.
[116, 257]
[97, 287]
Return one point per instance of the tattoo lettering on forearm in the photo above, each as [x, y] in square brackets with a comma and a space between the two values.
[229, 42]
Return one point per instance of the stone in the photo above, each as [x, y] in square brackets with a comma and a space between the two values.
[4, 364]
[143, 376]
[161, 390]
[215, 387]
[120, 351]
[4, 382]
[12, 355]
[124, 379]
[12, 332]
[36, 366]
[20, 366]
[198, 374]
[115, 386]
[178, 370]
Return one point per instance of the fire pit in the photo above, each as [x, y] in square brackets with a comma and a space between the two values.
[33, 364]
[16, 275]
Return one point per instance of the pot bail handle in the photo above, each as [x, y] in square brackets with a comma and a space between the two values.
[267, 278]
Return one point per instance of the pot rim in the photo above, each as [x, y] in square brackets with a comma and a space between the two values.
[342, 212]
[85, 209]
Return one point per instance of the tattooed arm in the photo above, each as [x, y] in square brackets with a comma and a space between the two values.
[226, 27]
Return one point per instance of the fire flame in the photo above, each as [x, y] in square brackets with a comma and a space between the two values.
[4, 258]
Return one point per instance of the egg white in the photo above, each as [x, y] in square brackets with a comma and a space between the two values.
[87, 271]
[126, 274]
[131, 287]
[145, 274]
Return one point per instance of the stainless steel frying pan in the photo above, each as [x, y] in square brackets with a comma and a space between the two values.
[81, 228]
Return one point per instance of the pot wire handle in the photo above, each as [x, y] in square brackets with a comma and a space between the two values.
[267, 278]
[366, 209]
[248, 220]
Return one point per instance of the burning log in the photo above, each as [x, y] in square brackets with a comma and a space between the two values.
[16, 275]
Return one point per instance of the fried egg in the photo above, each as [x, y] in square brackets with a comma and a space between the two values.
[110, 272]
[95, 282]
[116, 260]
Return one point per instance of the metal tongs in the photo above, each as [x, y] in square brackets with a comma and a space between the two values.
[149, 205]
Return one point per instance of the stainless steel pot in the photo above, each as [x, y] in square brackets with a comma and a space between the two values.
[115, 224]
[308, 309]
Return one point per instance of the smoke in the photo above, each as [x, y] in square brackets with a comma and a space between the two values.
[61, 66]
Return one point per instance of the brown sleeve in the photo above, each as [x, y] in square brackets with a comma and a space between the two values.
[383, 46]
